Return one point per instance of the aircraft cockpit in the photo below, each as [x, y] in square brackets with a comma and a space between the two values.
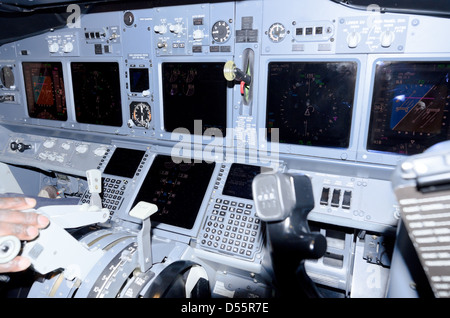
[248, 149]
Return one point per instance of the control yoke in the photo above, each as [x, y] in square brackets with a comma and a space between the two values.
[283, 201]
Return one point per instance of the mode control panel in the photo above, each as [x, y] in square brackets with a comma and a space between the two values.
[378, 33]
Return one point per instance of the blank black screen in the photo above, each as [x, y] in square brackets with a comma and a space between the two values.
[239, 181]
[139, 80]
[96, 90]
[177, 189]
[194, 91]
[124, 162]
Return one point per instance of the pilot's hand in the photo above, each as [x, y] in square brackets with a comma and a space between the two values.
[23, 225]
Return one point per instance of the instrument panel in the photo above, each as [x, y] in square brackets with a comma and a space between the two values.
[338, 94]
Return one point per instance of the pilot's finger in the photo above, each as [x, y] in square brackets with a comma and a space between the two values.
[18, 264]
[17, 203]
[25, 218]
[21, 231]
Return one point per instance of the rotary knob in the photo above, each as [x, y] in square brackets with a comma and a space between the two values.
[68, 47]
[353, 39]
[176, 28]
[53, 47]
[198, 35]
[387, 38]
[161, 29]
[81, 149]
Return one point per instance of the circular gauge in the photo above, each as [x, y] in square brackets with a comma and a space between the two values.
[141, 113]
[221, 31]
[7, 76]
[277, 32]
[128, 18]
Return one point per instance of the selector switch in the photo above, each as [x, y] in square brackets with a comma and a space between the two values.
[346, 199]
[335, 198]
[325, 195]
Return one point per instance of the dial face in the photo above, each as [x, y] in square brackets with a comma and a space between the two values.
[141, 113]
[221, 31]
[7, 76]
[277, 32]
[311, 103]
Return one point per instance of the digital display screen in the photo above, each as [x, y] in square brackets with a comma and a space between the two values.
[96, 90]
[177, 189]
[194, 91]
[239, 180]
[410, 105]
[311, 103]
[124, 162]
[139, 80]
[44, 88]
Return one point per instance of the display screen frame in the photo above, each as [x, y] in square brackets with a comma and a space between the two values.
[169, 128]
[201, 201]
[364, 155]
[124, 162]
[427, 115]
[239, 180]
[349, 153]
[115, 119]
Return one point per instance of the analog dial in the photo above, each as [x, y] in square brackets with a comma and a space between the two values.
[277, 32]
[221, 31]
[141, 113]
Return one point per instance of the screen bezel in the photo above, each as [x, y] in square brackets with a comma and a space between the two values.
[184, 136]
[162, 229]
[379, 157]
[120, 97]
[64, 82]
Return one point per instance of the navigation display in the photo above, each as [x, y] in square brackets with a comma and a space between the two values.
[311, 102]
[96, 90]
[410, 106]
[177, 189]
[194, 91]
[44, 88]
